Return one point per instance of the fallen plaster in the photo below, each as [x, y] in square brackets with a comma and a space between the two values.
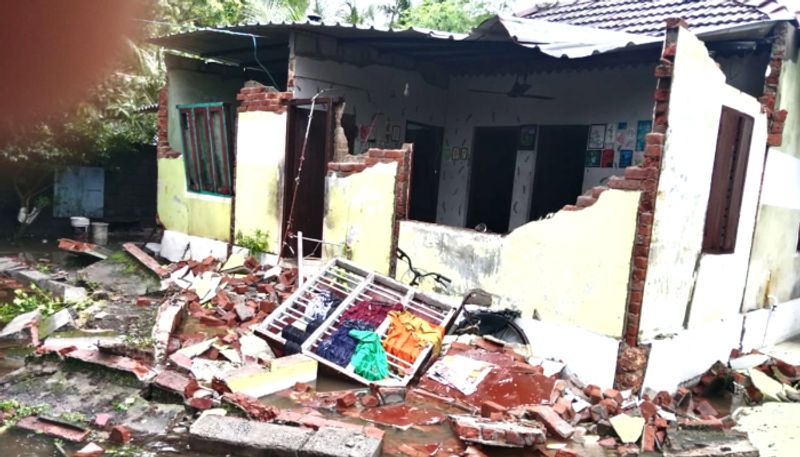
[591, 356]
[687, 354]
[769, 326]
[177, 246]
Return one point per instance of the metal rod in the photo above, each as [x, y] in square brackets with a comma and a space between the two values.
[300, 258]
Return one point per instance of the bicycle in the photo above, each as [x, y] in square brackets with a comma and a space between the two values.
[481, 321]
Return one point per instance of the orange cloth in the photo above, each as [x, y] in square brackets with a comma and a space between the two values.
[408, 335]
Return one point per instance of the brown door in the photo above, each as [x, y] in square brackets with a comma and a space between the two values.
[309, 198]
[494, 155]
[427, 140]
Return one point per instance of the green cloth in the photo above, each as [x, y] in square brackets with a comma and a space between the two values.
[369, 360]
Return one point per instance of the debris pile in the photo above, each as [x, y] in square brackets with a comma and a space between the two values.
[228, 334]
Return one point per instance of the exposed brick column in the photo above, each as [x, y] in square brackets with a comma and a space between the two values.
[775, 119]
[163, 149]
[255, 96]
[632, 359]
[402, 188]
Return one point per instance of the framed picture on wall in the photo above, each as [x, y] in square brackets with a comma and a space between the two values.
[597, 136]
[464, 153]
[607, 158]
[455, 153]
[593, 158]
[625, 158]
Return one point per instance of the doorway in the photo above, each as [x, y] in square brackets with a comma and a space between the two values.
[494, 155]
[427, 159]
[560, 158]
[309, 203]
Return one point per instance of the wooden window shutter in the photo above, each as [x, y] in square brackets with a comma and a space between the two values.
[727, 181]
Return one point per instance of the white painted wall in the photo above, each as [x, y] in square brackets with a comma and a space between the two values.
[678, 273]
[607, 96]
[369, 91]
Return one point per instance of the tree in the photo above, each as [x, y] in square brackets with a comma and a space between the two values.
[395, 10]
[352, 14]
[459, 16]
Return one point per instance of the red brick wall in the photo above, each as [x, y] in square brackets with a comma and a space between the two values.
[403, 158]
[163, 149]
[775, 119]
[258, 97]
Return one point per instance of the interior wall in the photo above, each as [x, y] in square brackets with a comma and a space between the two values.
[774, 275]
[260, 157]
[683, 284]
[607, 96]
[380, 95]
[528, 267]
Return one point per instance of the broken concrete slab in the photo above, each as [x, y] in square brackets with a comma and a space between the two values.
[282, 373]
[84, 248]
[709, 443]
[748, 361]
[18, 331]
[53, 427]
[66, 292]
[115, 276]
[54, 322]
[142, 371]
[770, 388]
[335, 442]
[233, 435]
[628, 428]
[521, 433]
[146, 259]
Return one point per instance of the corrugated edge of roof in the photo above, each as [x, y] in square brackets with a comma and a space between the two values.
[322, 24]
[561, 40]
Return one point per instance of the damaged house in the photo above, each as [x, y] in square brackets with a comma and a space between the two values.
[633, 167]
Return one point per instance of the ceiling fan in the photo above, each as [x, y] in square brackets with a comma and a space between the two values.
[518, 90]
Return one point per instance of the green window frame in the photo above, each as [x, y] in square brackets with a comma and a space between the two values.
[207, 147]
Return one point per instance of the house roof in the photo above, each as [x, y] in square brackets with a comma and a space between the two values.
[648, 16]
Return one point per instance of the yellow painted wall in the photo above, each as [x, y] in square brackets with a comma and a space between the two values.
[261, 150]
[572, 268]
[359, 211]
[207, 216]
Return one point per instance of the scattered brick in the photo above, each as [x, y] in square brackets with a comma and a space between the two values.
[120, 434]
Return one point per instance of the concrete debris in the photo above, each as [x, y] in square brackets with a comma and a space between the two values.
[22, 330]
[282, 373]
[336, 442]
[522, 433]
[709, 444]
[53, 427]
[90, 450]
[145, 259]
[242, 437]
[142, 371]
[628, 428]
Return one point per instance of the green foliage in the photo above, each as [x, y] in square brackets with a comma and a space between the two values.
[15, 410]
[139, 342]
[448, 15]
[29, 300]
[352, 14]
[122, 258]
[75, 417]
[257, 243]
[395, 10]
